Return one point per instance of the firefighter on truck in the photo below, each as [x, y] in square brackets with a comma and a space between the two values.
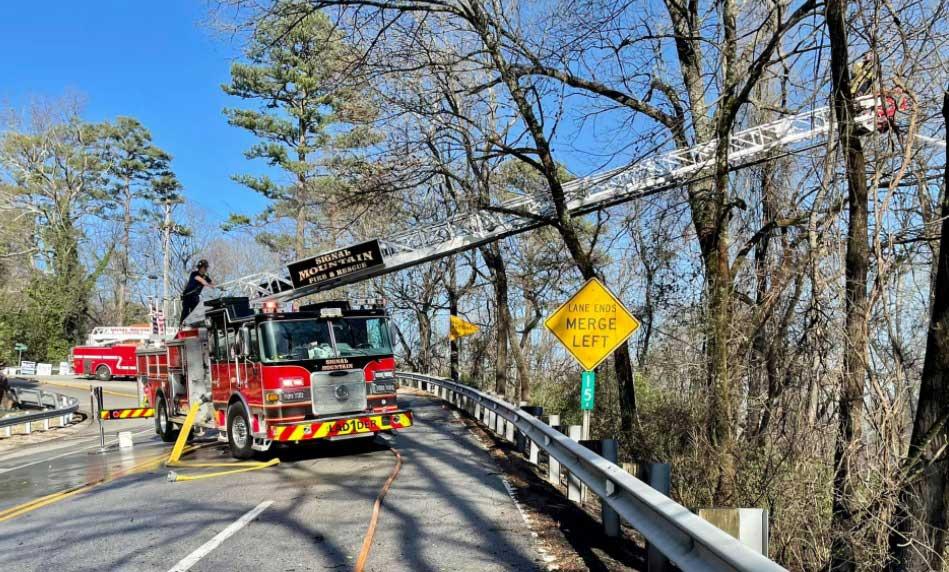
[326, 371]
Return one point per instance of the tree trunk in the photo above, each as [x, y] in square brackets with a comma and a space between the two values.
[299, 235]
[918, 535]
[850, 402]
[299, 238]
[763, 366]
[520, 362]
[492, 258]
[425, 341]
[453, 343]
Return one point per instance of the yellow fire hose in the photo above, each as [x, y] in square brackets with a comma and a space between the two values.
[178, 449]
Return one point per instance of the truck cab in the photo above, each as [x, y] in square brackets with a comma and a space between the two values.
[323, 371]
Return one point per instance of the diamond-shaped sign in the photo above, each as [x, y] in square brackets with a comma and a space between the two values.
[592, 323]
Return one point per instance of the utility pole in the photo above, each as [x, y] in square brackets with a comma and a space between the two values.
[166, 259]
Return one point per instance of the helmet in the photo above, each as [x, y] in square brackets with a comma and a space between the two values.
[203, 263]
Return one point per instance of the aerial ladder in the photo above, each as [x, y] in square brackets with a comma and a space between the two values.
[522, 213]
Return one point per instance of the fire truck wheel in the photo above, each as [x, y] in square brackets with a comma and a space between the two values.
[103, 373]
[238, 432]
[163, 425]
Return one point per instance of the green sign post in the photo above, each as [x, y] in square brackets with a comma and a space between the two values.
[19, 349]
[587, 398]
[587, 390]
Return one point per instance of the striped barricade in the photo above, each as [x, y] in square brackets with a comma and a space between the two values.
[132, 413]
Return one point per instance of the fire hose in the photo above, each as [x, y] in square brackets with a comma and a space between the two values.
[376, 508]
[233, 468]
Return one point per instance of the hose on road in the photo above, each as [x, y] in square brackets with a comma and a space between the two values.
[376, 508]
[174, 458]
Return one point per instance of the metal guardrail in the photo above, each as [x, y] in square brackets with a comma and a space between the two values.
[690, 542]
[53, 405]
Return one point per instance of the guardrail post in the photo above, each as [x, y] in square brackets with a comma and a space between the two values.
[7, 431]
[509, 431]
[28, 427]
[609, 517]
[575, 432]
[659, 477]
[748, 525]
[526, 445]
[46, 424]
[553, 465]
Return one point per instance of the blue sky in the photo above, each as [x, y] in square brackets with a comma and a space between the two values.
[158, 62]
[163, 64]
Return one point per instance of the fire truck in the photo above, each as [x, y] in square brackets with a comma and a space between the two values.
[109, 352]
[266, 375]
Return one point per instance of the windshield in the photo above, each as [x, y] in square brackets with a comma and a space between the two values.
[289, 340]
[362, 337]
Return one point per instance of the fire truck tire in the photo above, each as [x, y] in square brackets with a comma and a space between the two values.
[163, 425]
[239, 436]
[103, 373]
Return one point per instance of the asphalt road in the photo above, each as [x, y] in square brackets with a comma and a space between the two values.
[446, 510]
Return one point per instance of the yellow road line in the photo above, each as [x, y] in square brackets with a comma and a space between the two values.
[34, 504]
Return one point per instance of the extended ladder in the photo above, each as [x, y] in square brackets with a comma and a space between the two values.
[473, 228]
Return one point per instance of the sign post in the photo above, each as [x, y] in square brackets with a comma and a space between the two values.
[591, 325]
[587, 395]
[19, 349]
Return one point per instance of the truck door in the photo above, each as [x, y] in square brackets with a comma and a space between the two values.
[218, 358]
[245, 364]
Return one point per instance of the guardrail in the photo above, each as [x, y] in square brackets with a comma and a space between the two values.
[53, 406]
[690, 542]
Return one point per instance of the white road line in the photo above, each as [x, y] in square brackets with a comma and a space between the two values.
[54, 457]
[190, 560]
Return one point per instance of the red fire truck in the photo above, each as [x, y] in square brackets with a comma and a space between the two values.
[325, 371]
[109, 352]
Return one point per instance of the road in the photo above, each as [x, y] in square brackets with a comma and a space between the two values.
[446, 510]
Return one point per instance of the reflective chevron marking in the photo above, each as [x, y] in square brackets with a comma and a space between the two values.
[339, 427]
[133, 413]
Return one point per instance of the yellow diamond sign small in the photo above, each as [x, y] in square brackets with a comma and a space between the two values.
[592, 323]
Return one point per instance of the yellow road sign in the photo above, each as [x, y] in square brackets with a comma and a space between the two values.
[592, 323]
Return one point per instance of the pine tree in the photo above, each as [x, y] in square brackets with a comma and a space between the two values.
[310, 117]
[136, 166]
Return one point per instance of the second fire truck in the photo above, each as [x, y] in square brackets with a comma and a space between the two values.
[324, 371]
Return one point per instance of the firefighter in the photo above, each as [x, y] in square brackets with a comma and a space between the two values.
[864, 74]
[191, 296]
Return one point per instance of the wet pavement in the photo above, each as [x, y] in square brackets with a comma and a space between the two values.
[34, 470]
